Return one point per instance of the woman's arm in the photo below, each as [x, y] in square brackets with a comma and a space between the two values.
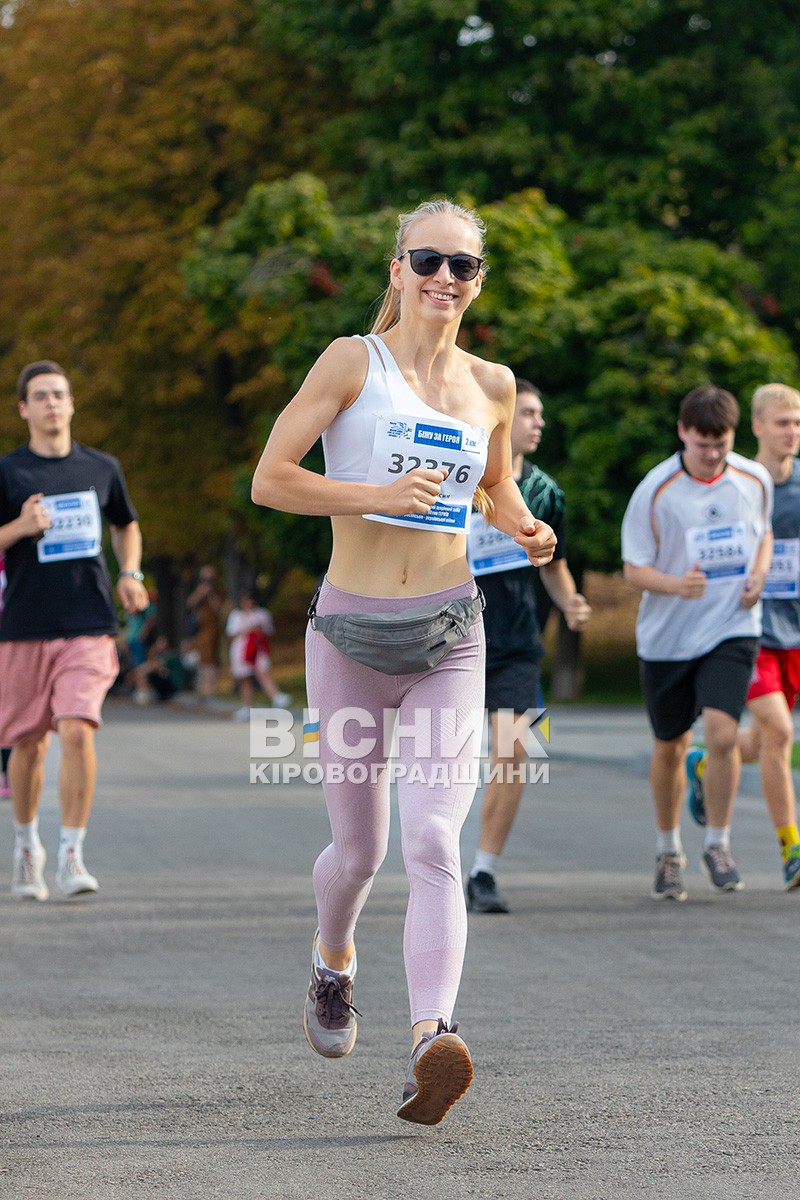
[333, 383]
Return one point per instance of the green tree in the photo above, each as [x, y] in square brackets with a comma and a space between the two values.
[125, 125]
[676, 114]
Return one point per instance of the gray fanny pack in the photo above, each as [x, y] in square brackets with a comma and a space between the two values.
[399, 644]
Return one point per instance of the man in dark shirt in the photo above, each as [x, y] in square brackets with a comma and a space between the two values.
[513, 642]
[57, 651]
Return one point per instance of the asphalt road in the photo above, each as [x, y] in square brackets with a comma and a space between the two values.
[150, 1037]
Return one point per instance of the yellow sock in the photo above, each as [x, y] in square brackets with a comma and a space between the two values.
[788, 836]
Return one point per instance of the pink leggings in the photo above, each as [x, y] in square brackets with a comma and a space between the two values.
[432, 804]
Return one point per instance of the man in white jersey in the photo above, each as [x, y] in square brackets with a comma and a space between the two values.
[776, 679]
[697, 541]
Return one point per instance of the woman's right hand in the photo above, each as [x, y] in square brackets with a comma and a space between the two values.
[413, 493]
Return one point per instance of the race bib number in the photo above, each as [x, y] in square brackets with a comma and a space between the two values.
[75, 527]
[721, 550]
[783, 579]
[490, 550]
[403, 443]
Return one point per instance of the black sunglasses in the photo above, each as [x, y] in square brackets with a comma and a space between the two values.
[427, 262]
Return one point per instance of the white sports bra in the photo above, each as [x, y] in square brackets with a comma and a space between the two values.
[348, 441]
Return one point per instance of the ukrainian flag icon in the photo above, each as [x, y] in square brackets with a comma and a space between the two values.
[311, 739]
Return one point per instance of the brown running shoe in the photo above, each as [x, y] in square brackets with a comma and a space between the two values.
[439, 1073]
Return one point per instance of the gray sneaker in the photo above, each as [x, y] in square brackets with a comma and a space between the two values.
[439, 1072]
[329, 1018]
[721, 869]
[27, 879]
[668, 883]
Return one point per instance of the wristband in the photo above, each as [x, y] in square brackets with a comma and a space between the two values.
[131, 575]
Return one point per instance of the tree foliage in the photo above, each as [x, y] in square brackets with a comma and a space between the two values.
[125, 125]
[678, 114]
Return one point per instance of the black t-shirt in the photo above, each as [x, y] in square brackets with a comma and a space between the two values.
[61, 596]
[509, 619]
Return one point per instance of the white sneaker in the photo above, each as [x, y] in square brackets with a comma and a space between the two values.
[72, 876]
[242, 714]
[282, 700]
[27, 880]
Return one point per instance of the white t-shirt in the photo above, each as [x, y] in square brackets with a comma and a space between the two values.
[674, 521]
[240, 623]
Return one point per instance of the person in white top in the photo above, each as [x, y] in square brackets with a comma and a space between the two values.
[697, 541]
[411, 425]
[250, 629]
[775, 684]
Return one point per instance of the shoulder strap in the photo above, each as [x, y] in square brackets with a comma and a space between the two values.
[373, 342]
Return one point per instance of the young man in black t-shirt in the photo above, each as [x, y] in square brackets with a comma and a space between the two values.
[57, 651]
[513, 642]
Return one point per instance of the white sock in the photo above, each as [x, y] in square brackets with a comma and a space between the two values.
[71, 837]
[350, 969]
[26, 836]
[668, 841]
[484, 861]
[717, 835]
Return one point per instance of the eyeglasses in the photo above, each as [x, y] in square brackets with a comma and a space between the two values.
[427, 262]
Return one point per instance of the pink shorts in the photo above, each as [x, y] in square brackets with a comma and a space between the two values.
[41, 683]
[776, 670]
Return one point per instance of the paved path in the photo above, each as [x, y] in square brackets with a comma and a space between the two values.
[150, 1037]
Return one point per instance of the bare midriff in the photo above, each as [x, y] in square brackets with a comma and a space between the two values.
[374, 559]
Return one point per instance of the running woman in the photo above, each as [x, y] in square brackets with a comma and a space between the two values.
[696, 539]
[399, 542]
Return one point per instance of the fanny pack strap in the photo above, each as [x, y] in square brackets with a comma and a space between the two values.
[312, 608]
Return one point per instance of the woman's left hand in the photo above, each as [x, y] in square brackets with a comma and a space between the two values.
[537, 540]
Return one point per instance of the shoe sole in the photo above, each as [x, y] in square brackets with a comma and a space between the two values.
[443, 1074]
[78, 891]
[677, 896]
[328, 1053]
[20, 895]
[793, 884]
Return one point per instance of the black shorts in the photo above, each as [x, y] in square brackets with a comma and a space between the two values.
[513, 684]
[675, 693]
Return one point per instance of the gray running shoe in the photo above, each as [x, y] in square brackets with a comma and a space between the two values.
[329, 1018]
[27, 879]
[721, 869]
[439, 1072]
[668, 883]
[483, 896]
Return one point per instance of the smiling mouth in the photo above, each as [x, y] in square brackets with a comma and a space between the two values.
[441, 295]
